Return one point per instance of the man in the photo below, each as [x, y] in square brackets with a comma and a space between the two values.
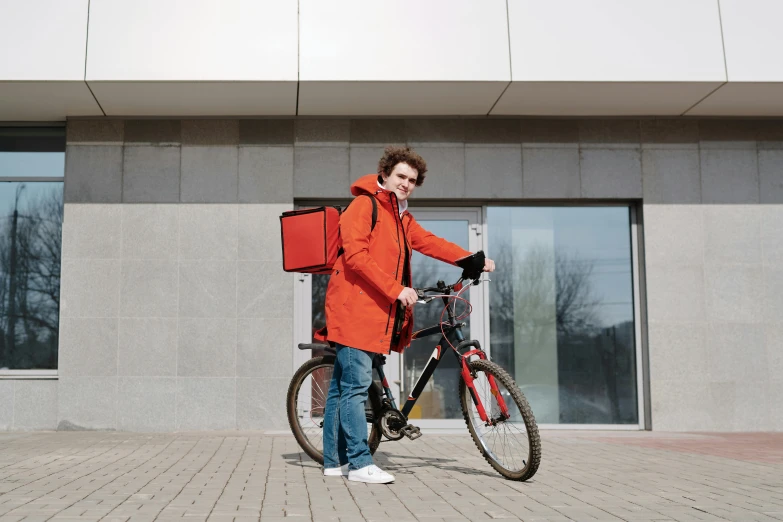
[369, 302]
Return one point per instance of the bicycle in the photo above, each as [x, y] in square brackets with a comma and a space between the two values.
[494, 408]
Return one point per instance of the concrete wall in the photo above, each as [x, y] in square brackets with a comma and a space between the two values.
[28, 404]
[713, 234]
[176, 314]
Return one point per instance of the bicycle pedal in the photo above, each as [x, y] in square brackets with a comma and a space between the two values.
[411, 431]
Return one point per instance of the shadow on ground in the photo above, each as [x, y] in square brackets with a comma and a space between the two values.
[391, 462]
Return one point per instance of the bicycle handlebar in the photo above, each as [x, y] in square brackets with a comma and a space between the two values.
[444, 291]
[472, 267]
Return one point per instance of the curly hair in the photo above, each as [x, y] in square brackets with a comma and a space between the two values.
[393, 155]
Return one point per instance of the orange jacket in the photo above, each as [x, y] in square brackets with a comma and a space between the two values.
[362, 310]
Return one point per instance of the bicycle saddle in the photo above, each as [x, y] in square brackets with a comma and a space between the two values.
[318, 346]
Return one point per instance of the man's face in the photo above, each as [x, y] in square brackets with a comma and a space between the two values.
[401, 181]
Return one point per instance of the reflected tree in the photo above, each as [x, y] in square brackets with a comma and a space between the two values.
[520, 289]
[594, 361]
[30, 257]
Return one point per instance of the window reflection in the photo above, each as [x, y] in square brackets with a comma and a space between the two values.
[561, 310]
[30, 246]
[320, 283]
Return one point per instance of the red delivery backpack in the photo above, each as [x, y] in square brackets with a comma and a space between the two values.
[311, 238]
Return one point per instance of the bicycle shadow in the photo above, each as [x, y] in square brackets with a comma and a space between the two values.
[300, 459]
[438, 463]
[383, 459]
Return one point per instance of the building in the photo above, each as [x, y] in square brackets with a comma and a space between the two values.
[622, 161]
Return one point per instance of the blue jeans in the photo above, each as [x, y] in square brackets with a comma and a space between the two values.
[345, 425]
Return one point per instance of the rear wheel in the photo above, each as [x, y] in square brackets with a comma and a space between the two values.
[511, 445]
[306, 402]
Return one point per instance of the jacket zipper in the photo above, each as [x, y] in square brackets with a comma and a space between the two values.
[400, 315]
[388, 319]
[399, 253]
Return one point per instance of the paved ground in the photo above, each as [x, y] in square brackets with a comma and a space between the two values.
[249, 476]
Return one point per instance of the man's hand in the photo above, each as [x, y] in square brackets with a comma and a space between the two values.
[408, 297]
[489, 265]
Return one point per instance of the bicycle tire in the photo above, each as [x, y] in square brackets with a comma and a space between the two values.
[309, 444]
[483, 443]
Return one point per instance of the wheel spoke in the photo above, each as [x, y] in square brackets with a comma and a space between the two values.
[311, 406]
[505, 442]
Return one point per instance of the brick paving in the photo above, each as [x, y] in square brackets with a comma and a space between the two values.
[238, 477]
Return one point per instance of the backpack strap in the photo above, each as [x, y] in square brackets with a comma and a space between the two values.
[374, 211]
[374, 218]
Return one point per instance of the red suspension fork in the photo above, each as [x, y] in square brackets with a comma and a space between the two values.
[493, 386]
[469, 383]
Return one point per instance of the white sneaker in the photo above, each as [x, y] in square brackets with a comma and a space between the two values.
[342, 471]
[371, 474]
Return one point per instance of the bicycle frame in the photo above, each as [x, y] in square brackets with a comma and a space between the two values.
[454, 330]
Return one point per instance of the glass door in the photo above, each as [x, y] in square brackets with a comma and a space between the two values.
[438, 405]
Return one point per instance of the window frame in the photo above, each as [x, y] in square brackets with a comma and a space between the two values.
[36, 374]
[639, 310]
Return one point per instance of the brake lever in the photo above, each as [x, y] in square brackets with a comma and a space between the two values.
[479, 280]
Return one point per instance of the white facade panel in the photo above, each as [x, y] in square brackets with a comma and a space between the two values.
[616, 40]
[45, 101]
[404, 40]
[601, 98]
[743, 99]
[398, 98]
[196, 98]
[751, 31]
[43, 39]
[192, 40]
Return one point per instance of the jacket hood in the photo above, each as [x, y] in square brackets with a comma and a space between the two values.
[367, 184]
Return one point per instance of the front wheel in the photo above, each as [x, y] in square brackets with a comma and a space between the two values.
[306, 402]
[511, 445]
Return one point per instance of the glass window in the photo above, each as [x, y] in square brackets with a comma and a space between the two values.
[31, 212]
[561, 310]
[32, 164]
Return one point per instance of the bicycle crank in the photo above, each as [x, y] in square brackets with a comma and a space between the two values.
[392, 423]
[393, 426]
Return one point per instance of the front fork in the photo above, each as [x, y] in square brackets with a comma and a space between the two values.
[467, 375]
